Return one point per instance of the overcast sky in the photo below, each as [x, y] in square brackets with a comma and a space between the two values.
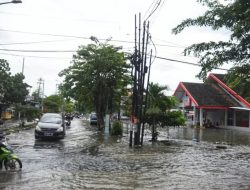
[65, 24]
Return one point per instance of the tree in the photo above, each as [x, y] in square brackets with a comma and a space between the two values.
[158, 105]
[235, 17]
[17, 89]
[95, 77]
[13, 89]
[157, 98]
[68, 106]
[4, 77]
[52, 103]
[238, 79]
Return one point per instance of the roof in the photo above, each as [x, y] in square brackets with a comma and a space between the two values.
[209, 95]
[218, 78]
[214, 94]
[221, 77]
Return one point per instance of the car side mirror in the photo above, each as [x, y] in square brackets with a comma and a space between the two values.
[36, 120]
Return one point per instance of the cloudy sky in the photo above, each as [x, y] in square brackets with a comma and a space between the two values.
[44, 34]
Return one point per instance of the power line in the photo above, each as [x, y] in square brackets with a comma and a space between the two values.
[149, 8]
[63, 51]
[173, 44]
[165, 41]
[40, 51]
[35, 42]
[78, 37]
[44, 34]
[160, 6]
[185, 62]
[42, 57]
[154, 9]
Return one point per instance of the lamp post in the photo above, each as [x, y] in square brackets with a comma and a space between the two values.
[13, 1]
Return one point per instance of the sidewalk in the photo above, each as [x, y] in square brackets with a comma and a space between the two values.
[16, 125]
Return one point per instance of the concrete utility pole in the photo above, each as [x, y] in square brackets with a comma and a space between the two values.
[23, 67]
[41, 91]
[139, 71]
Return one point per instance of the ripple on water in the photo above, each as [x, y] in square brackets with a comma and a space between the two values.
[94, 162]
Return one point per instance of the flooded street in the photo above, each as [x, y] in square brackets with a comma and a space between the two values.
[86, 159]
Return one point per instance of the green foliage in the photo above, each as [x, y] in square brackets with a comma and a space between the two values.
[32, 113]
[29, 112]
[17, 90]
[96, 78]
[238, 78]
[153, 116]
[157, 98]
[173, 118]
[235, 18]
[68, 107]
[158, 106]
[116, 128]
[12, 88]
[53, 103]
[4, 77]
[169, 118]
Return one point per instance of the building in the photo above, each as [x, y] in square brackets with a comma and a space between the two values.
[212, 103]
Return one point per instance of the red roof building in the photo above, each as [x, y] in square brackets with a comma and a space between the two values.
[212, 103]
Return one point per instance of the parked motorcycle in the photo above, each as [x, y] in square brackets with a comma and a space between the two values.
[7, 157]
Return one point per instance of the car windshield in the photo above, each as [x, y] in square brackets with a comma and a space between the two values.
[93, 116]
[51, 119]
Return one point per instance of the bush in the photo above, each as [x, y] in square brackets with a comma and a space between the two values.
[116, 128]
[32, 113]
[174, 118]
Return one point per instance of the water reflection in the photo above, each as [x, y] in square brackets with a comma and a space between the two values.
[184, 158]
[233, 137]
[48, 144]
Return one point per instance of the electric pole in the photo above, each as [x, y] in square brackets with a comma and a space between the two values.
[40, 92]
[139, 72]
[23, 67]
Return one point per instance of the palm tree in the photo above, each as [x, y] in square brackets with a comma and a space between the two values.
[157, 97]
[157, 104]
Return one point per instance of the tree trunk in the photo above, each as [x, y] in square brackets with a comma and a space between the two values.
[101, 103]
[154, 133]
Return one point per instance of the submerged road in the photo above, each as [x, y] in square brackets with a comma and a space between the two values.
[88, 159]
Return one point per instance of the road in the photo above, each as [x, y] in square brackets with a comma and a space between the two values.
[88, 159]
[45, 163]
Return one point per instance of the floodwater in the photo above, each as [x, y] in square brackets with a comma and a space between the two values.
[185, 158]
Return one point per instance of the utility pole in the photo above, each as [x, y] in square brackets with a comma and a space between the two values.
[41, 91]
[23, 67]
[139, 71]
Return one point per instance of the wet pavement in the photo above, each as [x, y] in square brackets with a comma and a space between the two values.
[86, 159]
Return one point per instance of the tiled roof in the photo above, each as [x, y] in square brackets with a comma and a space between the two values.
[209, 95]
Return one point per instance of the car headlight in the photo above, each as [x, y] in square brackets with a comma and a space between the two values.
[38, 128]
[60, 129]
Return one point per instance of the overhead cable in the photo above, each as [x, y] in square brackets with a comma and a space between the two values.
[185, 62]
[70, 51]
[80, 37]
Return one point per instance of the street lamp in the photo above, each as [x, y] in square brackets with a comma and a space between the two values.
[13, 1]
